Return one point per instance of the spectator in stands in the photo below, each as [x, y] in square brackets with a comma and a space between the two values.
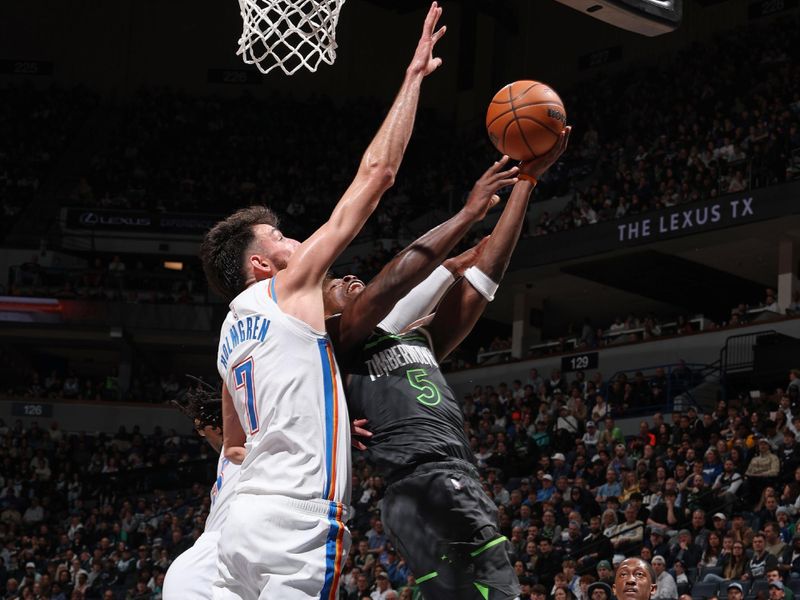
[760, 562]
[772, 539]
[611, 488]
[727, 484]
[761, 472]
[776, 590]
[789, 565]
[735, 591]
[628, 536]
[685, 550]
[666, 589]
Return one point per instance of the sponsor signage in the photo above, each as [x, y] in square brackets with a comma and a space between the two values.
[655, 226]
[134, 221]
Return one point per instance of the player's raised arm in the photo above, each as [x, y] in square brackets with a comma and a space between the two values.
[376, 173]
[465, 302]
[414, 263]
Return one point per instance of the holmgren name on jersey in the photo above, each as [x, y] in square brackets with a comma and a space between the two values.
[383, 362]
[249, 328]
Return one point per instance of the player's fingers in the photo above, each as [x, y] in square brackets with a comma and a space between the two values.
[438, 35]
[435, 64]
[566, 138]
[431, 19]
[494, 200]
[509, 174]
[358, 445]
[496, 166]
[506, 182]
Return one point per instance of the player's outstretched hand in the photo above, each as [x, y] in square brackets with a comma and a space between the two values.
[484, 193]
[423, 62]
[458, 264]
[357, 430]
[535, 168]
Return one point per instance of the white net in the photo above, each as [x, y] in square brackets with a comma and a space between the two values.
[290, 34]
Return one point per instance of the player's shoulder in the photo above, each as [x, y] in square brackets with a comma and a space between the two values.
[252, 298]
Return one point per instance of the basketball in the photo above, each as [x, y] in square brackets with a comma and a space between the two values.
[524, 119]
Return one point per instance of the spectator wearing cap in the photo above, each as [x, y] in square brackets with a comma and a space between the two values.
[720, 524]
[559, 466]
[685, 549]
[610, 488]
[605, 572]
[591, 437]
[760, 562]
[666, 588]
[735, 591]
[776, 590]
[658, 542]
[546, 491]
[599, 590]
[775, 575]
[382, 587]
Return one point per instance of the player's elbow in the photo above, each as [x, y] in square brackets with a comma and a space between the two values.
[235, 454]
[378, 173]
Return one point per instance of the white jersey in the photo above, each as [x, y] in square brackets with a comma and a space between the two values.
[222, 492]
[289, 398]
[191, 576]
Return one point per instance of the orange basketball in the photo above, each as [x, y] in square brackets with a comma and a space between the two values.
[525, 119]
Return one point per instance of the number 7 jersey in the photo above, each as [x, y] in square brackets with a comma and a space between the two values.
[396, 384]
[288, 395]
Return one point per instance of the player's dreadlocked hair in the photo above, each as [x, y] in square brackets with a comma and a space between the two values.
[202, 403]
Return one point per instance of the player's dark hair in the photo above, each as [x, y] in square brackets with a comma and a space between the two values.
[202, 403]
[223, 248]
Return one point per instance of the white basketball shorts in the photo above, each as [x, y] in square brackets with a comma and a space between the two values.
[279, 548]
[191, 576]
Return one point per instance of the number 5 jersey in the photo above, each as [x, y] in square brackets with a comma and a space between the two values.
[395, 382]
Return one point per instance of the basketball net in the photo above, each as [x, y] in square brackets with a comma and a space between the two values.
[290, 34]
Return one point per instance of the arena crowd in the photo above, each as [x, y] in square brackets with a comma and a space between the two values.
[706, 498]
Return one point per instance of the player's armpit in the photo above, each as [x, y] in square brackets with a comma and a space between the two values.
[235, 454]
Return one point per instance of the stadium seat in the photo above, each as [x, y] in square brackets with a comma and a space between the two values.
[759, 585]
[706, 570]
[703, 589]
